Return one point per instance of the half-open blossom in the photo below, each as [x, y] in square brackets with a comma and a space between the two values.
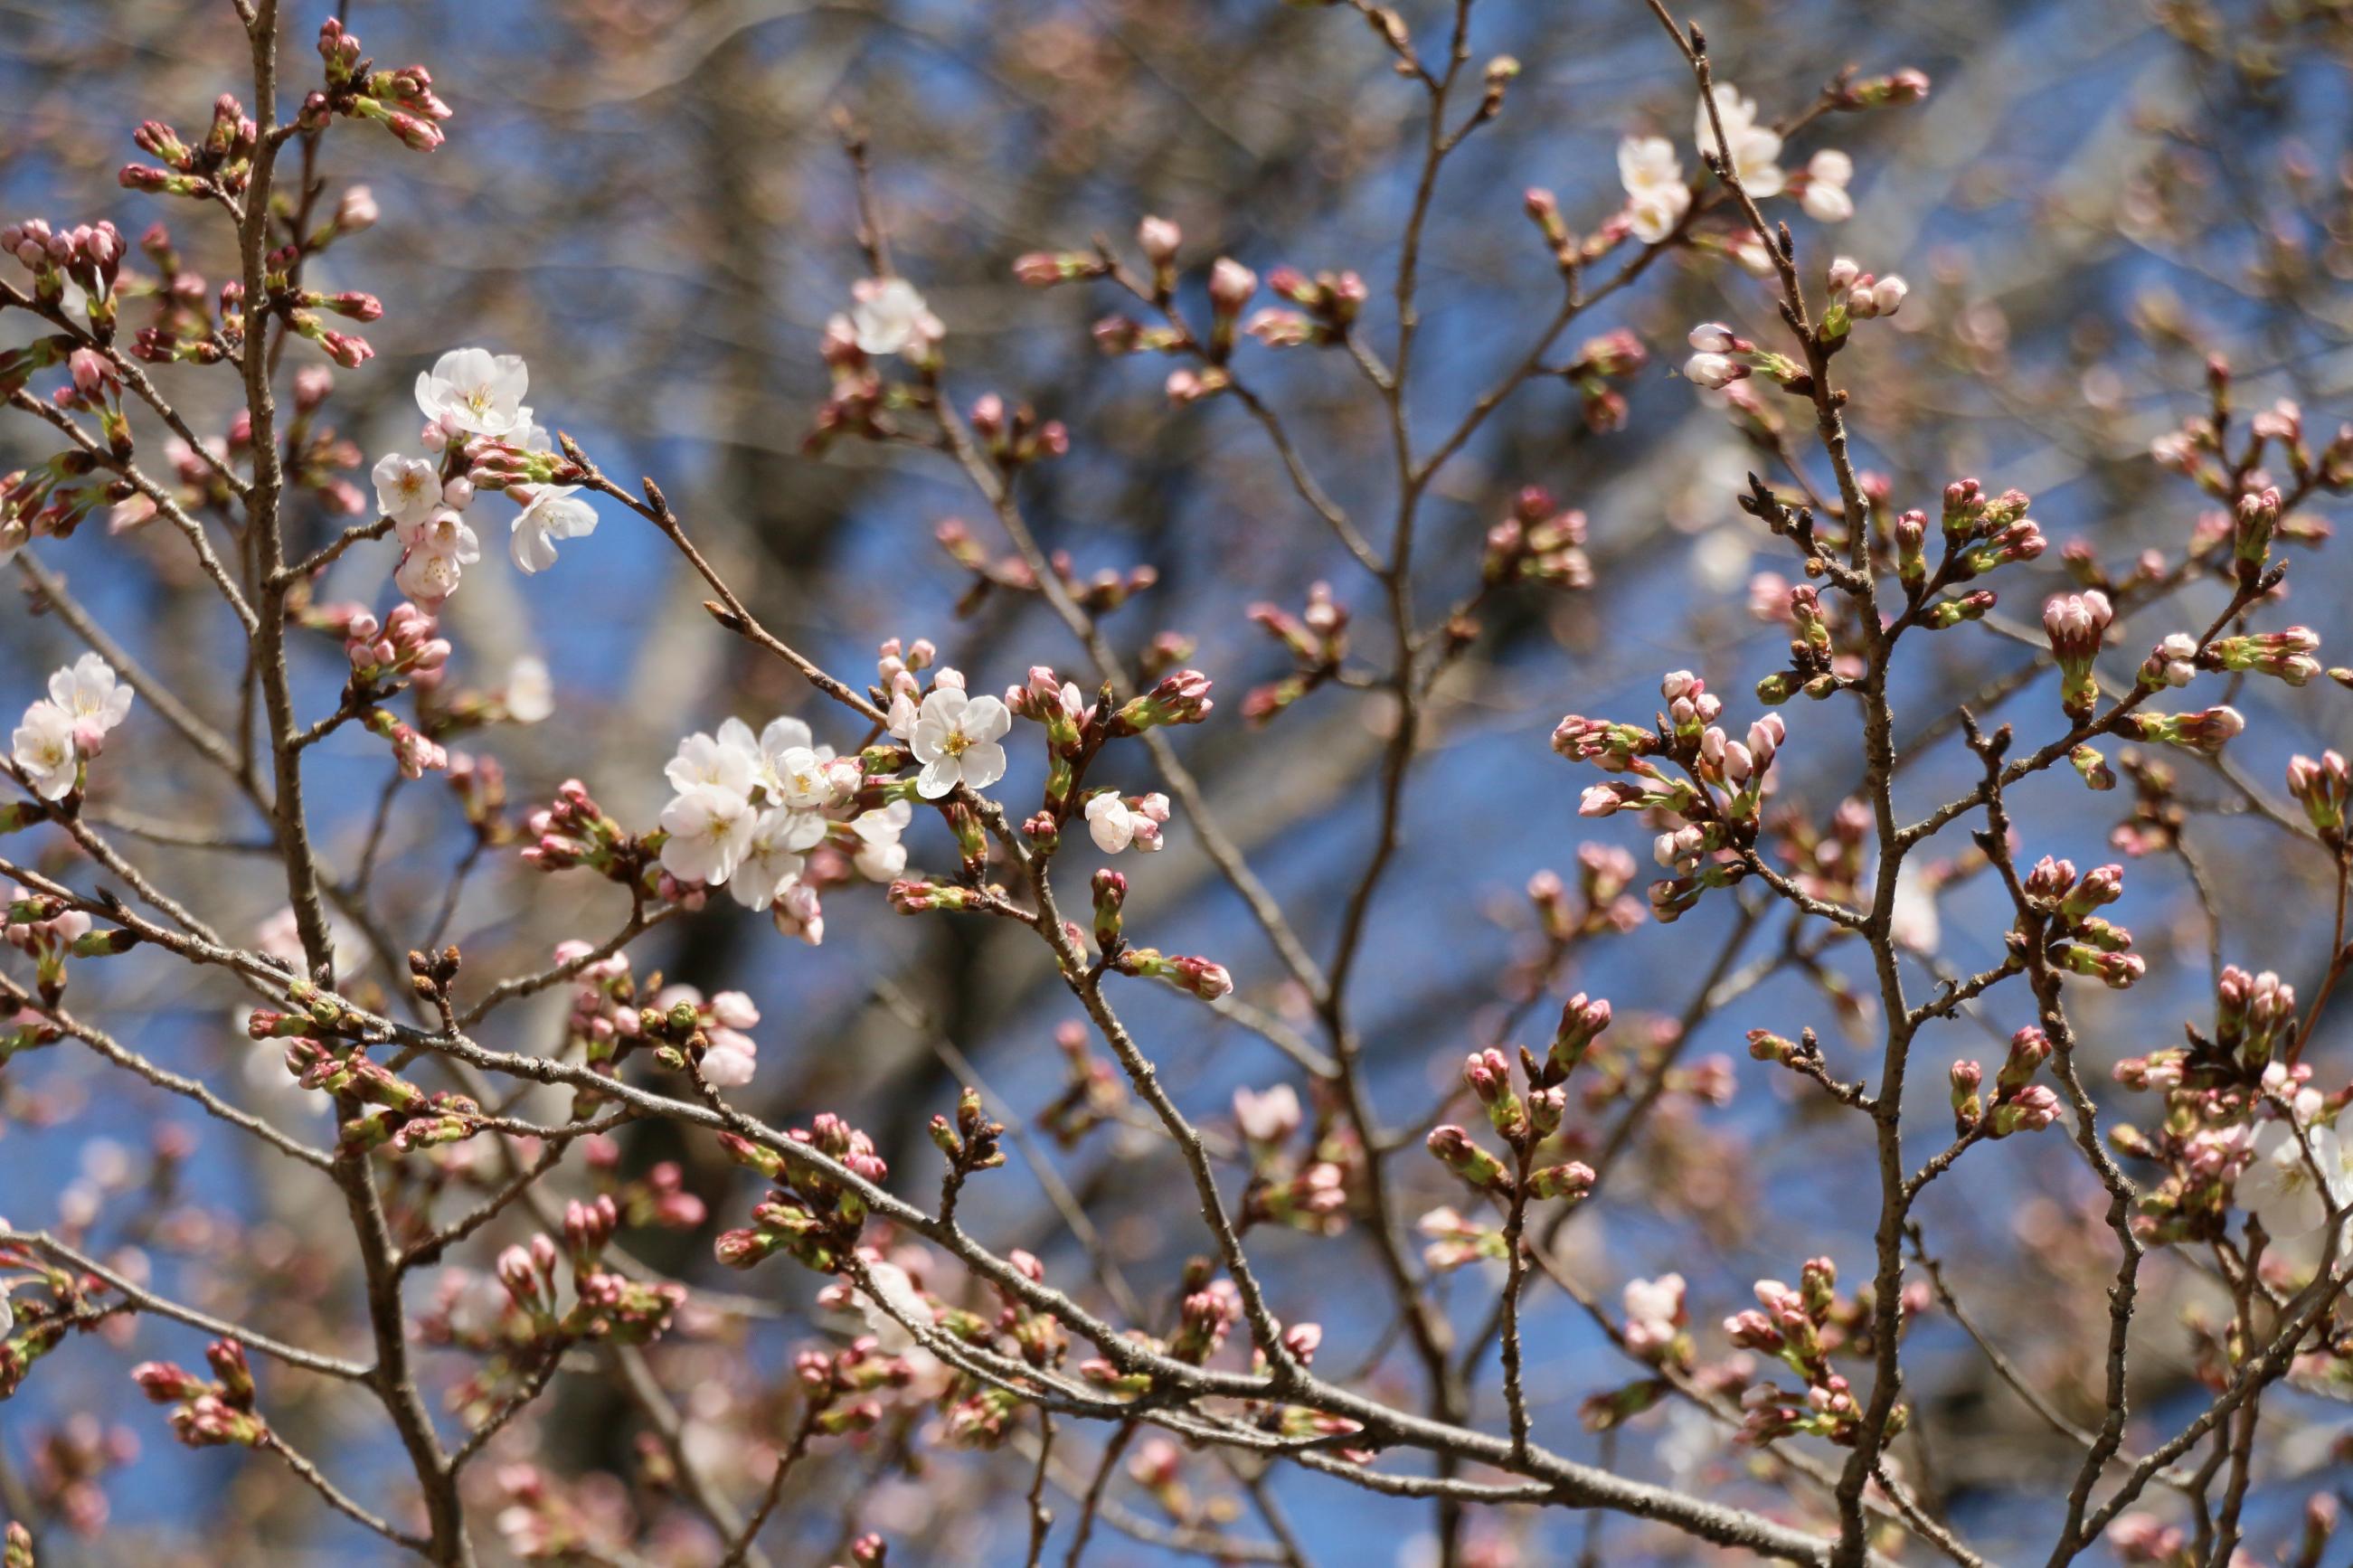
[729, 1059]
[710, 830]
[476, 391]
[1656, 196]
[1114, 824]
[43, 746]
[1825, 197]
[406, 489]
[1268, 1118]
[889, 317]
[881, 857]
[956, 740]
[551, 514]
[1756, 149]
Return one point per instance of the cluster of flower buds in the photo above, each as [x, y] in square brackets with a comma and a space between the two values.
[1452, 1241]
[2325, 789]
[2076, 938]
[1101, 594]
[1816, 666]
[809, 1213]
[1094, 1090]
[1857, 295]
[52, 501]
[401, 101]
[2284, 655]
[1721, 356]
[1802, 1327]
[1613, 357]
[219, 163]
[575, 831]
[208, 1414]
[1327, 305]
[2212, 1154]
[47, 930]
[682, 1028]
[888, 316]
[1182, 698]
[1896, 89]
[29, 1328]
[1195, 976]
[1981, 532]
[1310, 1192]
[972, 1141]
[1316, 640]
[2206, 731]
[1539, 542]
[658, 1198]
[606, 1307]
[542, 1523]
[843, 1389]
[1526, 1122]
[2256, 519]
[1711, 815]
[1073, 733]
[385, 1109]
[1016, 437]
[414, 752]
[2020, 1104]
[2075, 624]
[1604, 872]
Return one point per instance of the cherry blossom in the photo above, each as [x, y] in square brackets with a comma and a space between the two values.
[889, 318]
[476, 392]
[1825, 196]
[2287, 1192]
[43, 746]
[531, 691]
[553, 512]
[406, 489]
[1657, 196]
[879, 856]
[774, 857]
[90, 694]
[1755, 148]
[724, 760]
[956, 740]
[1114, 824]
[709, 831]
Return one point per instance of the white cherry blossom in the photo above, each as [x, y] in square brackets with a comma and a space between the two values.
[476, 391]
[43, 746]
[1828, 174]
[775, 856]
[889, 317]
[554, 512]
[881, 857]
[720, 760]
[2281, 1187]
[531, 691]
[1657, 197]
[406, 489]
[956, 740]
[92, 697]
[710, 830]
[1756, 149]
